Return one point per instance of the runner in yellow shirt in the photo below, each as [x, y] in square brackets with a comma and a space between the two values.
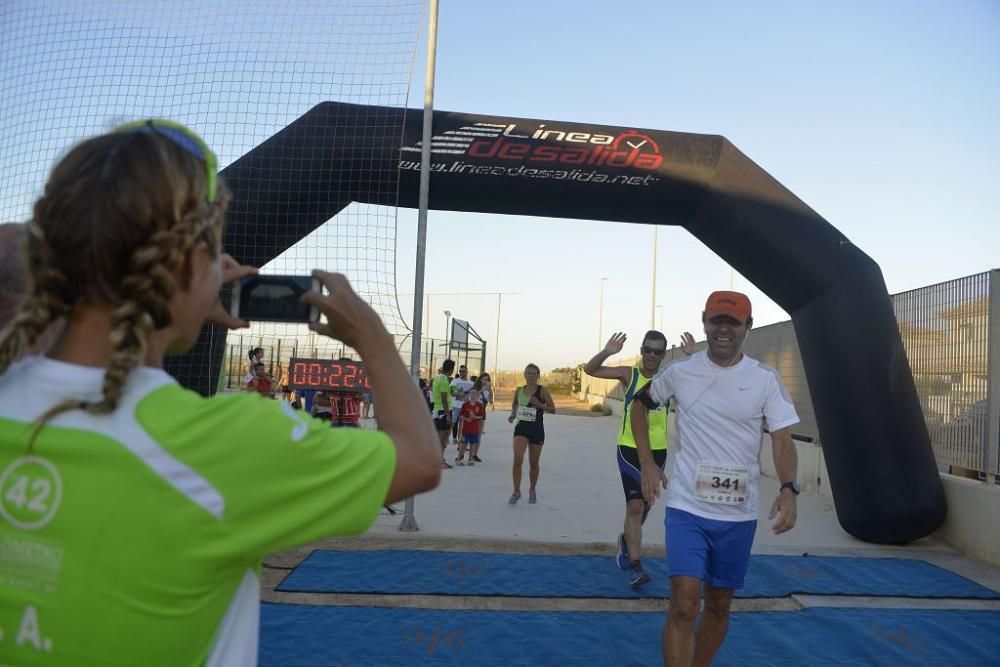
[633, 379]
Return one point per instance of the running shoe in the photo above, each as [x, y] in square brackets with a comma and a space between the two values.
[532, 498]
[477, 459]
[639, 576]
[459, 462]
[514, 497]
[622, 559]
[471, 462]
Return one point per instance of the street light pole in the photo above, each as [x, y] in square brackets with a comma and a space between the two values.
[652, 313]
[409, 522]
[600, 318]
[660, 308]
[496, 344]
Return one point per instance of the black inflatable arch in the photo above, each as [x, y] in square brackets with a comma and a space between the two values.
[882, 470]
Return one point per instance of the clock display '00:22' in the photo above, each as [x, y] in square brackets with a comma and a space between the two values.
[328, 375]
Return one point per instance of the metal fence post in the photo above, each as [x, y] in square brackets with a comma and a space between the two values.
[991, 447]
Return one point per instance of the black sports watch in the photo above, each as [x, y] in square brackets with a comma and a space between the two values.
[793, 485]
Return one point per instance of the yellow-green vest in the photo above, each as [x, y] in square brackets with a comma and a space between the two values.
[657, 418]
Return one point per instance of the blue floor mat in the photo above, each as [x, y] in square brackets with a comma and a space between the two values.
[306, 636]
[513, 575]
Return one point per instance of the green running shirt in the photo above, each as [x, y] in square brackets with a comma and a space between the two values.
[440, 385]
[136, 538]
[657, 417]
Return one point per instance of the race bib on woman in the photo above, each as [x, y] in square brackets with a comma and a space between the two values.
[721, 484]
[526, 413]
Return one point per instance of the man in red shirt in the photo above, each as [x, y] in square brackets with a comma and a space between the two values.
[472, 415]
[260, 382]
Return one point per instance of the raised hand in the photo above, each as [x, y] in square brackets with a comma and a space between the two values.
[687, 343]
[615, 343]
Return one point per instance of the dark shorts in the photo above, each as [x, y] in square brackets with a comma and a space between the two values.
[470, 438]
[533, 432]
[441, 421]
[628, 466]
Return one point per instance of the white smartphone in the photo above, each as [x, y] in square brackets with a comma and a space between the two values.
[265, 298]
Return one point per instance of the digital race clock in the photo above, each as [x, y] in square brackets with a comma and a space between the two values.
[328, 375]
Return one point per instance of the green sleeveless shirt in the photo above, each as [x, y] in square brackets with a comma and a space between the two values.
[657, 418]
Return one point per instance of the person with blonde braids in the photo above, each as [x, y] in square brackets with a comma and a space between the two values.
[12, 271]
[134, 514]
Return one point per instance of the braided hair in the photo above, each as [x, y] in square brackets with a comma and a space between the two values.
[112, 229]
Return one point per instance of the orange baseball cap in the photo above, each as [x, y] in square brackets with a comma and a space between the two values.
[733, 304]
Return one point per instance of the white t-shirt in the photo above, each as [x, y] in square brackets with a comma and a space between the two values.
[485, 395]
[721, 412]
[460, 388]
[250, 371]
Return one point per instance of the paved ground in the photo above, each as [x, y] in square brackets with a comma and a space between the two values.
[580, 510]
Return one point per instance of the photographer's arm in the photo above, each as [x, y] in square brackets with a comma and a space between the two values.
[403, 413]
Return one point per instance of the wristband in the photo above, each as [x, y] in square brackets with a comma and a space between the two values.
[647, 400]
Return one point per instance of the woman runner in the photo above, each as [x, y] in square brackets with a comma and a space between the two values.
[530, 403]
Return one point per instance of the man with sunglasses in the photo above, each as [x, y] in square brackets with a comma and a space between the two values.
[723, 400]
[634, 378]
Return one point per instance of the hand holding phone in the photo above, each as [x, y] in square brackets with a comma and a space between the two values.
[265, 298]
[231, 270]
[349, 317]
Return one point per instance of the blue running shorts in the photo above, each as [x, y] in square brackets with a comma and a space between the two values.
[716, 552]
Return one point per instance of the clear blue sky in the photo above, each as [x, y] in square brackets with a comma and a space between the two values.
[881, 116]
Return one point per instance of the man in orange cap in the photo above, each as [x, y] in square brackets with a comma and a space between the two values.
[724, 399]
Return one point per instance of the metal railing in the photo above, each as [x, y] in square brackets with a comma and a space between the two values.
[951, 333]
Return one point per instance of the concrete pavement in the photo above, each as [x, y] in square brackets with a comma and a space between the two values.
[581, 505]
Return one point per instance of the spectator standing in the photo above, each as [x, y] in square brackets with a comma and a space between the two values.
[322, 407]
[348, 410]
[484, 385]
[425, 389]
[261, 382]
[308, 397]
[441, 392]
[460, 387]
[472, 415]
[369, 404]
[256, 356]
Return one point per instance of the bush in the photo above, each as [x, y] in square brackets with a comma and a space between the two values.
[577, 378]
[597, 407]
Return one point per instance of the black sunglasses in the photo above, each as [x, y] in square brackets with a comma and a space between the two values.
[652, 350]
